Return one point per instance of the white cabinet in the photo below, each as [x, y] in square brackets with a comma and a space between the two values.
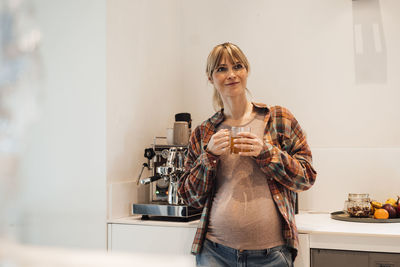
[141, 238]
[172, 239]
[316, 231]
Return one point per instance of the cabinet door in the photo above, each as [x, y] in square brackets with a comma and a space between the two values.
[303, 255]
[335, 258]
[384, 259]
[150, 239]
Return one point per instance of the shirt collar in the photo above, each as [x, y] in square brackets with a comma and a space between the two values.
[218, 117]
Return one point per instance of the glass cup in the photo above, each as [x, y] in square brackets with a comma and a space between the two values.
[234, 136]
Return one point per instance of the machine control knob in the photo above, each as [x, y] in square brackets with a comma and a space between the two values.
[149, 153]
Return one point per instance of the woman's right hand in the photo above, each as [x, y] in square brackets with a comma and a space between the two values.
[219, 143]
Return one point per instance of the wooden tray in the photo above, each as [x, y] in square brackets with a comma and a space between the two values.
[342, 216]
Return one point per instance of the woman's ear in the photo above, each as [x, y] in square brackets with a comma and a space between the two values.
[210, 80]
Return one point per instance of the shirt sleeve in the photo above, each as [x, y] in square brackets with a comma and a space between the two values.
[289, 161]
[200, 166]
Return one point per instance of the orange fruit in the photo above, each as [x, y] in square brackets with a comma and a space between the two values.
[381, 214]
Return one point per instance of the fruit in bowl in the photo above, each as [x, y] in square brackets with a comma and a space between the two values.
[391, 206]
[381, 214]
[398, 206]
[392, 202]
[390, 209]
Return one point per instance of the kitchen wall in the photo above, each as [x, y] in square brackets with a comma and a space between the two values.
[332, 63]
[62, 182]
[144, 90]
[111, 87]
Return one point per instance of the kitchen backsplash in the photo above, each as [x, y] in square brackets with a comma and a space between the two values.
[351, 170]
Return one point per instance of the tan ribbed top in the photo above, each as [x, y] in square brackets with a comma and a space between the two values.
[243, 213]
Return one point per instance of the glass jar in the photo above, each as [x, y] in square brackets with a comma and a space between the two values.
[358, 205]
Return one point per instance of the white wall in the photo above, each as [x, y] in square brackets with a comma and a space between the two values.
[62, 177]
[144, 85]
[303, 57]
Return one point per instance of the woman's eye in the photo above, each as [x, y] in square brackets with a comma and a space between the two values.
[220, 69]
[238, 66]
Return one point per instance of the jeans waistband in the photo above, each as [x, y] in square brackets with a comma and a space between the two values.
[245, 251]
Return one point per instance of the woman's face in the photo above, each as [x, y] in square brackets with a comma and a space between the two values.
[230, 78]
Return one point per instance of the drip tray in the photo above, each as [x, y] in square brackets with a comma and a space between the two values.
[165, 212]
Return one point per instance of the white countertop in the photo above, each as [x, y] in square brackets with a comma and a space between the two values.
[136, 219]
[326, 233]
[322, 223]
[307, 222]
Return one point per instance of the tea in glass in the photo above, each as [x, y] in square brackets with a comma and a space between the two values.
[234, 136]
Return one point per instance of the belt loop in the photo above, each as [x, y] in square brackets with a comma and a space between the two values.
[239, 253]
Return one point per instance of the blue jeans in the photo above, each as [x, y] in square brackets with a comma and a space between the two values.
[217, 255]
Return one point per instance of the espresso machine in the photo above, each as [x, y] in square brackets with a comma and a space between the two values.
[166, 165]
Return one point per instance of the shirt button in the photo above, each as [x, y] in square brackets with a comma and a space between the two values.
[214, 161]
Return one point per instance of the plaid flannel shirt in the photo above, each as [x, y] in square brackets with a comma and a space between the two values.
[285, 159]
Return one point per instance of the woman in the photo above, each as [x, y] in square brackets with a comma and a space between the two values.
[247, 198]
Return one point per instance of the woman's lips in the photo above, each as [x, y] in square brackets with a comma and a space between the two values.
[232, 83]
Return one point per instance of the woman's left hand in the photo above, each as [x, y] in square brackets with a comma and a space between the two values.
[250, 143]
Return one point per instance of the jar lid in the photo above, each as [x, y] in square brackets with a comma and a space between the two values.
[353, 196]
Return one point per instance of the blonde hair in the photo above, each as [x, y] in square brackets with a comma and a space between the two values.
[234, 53]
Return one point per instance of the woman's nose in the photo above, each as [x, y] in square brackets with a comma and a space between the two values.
[231, 73]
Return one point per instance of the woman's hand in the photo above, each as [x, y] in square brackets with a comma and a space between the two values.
[219, 142]
[250, 143]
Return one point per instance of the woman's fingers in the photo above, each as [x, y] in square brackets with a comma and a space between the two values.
[249, 144]
[224, 146]
[219, 142]
[221, 137]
